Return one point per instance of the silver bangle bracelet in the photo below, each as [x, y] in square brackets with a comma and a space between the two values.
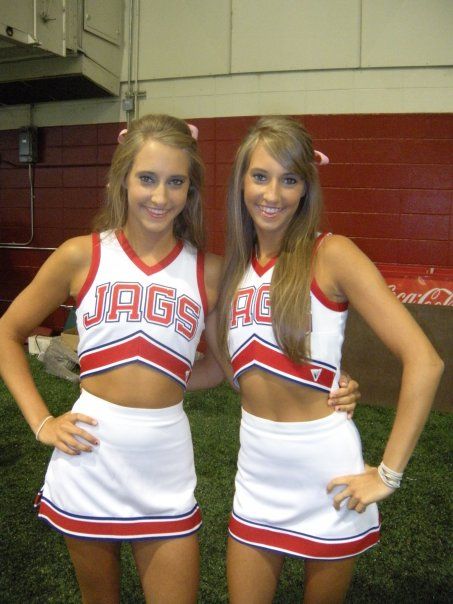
[41, 426]
[389, 477]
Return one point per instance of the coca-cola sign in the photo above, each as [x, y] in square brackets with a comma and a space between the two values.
[422, 291]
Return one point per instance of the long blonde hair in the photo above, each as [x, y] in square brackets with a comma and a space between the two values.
[287, 141]
[189, 225]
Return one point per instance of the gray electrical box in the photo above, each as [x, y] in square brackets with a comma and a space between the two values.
[59, 50]
[28, 145]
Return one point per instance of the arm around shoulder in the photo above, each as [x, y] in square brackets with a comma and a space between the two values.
[210, 370]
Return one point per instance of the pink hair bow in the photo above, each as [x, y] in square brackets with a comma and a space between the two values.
[193, 131]
[320, 158]
[122, 136]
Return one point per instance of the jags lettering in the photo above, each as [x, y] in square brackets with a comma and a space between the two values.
[251, 305]
[156, 304]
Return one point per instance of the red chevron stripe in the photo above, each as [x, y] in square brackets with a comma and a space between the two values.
[278, 363]
[138, 347]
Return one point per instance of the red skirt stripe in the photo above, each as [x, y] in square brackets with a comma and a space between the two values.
[301, 545]
[109, 528]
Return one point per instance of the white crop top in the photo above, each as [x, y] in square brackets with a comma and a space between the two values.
[251, 339]
[129, 312]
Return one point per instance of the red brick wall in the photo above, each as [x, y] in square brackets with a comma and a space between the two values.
[389, 186]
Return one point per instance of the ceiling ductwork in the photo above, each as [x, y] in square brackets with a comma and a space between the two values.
[57, 50]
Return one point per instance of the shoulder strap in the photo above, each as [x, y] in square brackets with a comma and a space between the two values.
[319, 240]
[94, 265]
[201, 280]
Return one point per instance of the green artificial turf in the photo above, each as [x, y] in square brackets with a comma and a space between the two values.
[412, 563]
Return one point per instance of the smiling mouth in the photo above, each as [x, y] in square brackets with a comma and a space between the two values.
[269, 211]
[156, 212]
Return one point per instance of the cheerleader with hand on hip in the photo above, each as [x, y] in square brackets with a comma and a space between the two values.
[122, 468]
[302, 488]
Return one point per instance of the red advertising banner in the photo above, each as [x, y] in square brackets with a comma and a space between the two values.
[419, 285]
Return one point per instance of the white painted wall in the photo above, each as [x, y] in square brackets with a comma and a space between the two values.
[215, 58]
[407, 33]
[287, 35]
[184, 38]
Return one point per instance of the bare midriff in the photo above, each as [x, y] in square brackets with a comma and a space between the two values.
[280, 400]
[134, 385]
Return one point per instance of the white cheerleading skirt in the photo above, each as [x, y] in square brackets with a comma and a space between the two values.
[138, 483]
[281, 502]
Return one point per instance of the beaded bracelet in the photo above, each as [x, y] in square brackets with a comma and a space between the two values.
[389, 477]
[41, 425]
